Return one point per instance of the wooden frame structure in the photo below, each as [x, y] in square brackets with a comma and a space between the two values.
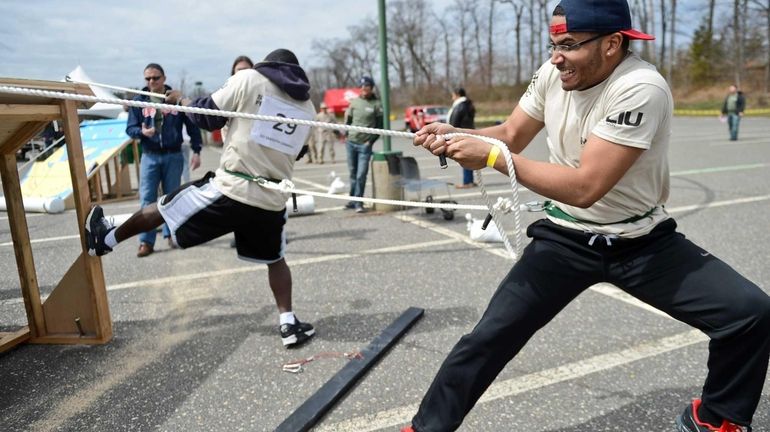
[104, 188]
[76, 312]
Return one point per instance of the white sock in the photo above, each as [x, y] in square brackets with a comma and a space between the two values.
[287, 318]
[110, 240]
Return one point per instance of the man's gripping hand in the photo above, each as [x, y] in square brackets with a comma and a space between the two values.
[175, 97]
[427, 137]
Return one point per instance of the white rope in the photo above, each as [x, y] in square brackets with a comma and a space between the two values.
[123, 89]
[500, 207]
[288, 187]
[204, 111]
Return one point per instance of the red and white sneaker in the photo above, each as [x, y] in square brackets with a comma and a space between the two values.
[688, 421]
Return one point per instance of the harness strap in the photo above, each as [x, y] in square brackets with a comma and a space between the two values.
[260, 179]
[552, 210]
[251, 178]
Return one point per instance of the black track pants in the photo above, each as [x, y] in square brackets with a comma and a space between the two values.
[662, 269]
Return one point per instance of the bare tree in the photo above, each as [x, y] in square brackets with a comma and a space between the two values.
[651, 15]
[518, 9]
[744, 31]
[737, 41]
[477, 30]
[462, 9]
[410, 27]
[347, 59]
[710, 20]
[542, 28]
[532, 36]
[399, 56]
[447, 52]
[642, 12]
[663, 29]
[335, 66]
[490, 48]
[672, 44]
[763, 7]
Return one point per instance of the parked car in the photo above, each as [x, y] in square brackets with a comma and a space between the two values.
[417, 116]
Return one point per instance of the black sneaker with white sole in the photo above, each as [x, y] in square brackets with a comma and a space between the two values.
[97, 228]
[295, 334]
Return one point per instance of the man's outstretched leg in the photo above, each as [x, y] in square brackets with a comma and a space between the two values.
[102, 236]
[293, 332]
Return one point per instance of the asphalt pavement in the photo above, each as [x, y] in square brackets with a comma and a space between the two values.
[196, 345]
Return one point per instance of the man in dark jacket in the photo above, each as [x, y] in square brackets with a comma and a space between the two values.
[160, 135]
[733, 108]
[461, 115]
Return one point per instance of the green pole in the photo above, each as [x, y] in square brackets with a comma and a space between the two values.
[385, 86]
[385, 182]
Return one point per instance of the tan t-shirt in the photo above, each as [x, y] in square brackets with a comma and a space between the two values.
[632, 107]
[259, 148]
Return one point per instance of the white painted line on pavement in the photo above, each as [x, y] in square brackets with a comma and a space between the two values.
[742, 141]
[720, 169]
[514, 386]
[492, 248]
[174, 280]
[28, 215]
[715, 204]
[328, 209]
[45, 240]
[612, 291]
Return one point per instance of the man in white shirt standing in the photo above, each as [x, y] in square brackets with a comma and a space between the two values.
[607, 114]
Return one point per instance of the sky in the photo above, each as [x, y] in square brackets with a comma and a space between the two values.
[114, 40]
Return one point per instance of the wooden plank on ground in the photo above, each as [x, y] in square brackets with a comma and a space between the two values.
[314, 408]
[11, 339]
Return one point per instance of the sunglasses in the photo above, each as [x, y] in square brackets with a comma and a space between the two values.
[153, 78]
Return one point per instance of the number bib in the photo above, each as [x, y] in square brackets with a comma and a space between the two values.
[284, 137]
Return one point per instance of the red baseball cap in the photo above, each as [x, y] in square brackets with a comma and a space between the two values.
[598, 16]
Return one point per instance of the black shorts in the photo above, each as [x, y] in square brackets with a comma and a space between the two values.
[198, 212]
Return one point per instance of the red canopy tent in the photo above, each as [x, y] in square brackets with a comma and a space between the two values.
[338, 99]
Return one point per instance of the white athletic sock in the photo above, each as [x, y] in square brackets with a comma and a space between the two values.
[288, 318]
[110, 240]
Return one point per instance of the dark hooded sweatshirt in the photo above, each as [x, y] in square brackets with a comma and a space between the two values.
[289, 77]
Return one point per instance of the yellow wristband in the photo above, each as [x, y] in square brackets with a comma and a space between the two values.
[492, 158]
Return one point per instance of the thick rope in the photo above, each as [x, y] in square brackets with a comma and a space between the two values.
[501, 206]
[514, 251]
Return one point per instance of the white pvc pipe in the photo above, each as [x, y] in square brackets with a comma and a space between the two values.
[305, 205]
[38, 205]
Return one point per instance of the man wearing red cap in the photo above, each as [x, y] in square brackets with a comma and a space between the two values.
[607, 115]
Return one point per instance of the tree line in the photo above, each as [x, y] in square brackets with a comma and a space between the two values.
[482, 44]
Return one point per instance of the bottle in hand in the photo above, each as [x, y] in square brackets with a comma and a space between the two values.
[149, 117]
